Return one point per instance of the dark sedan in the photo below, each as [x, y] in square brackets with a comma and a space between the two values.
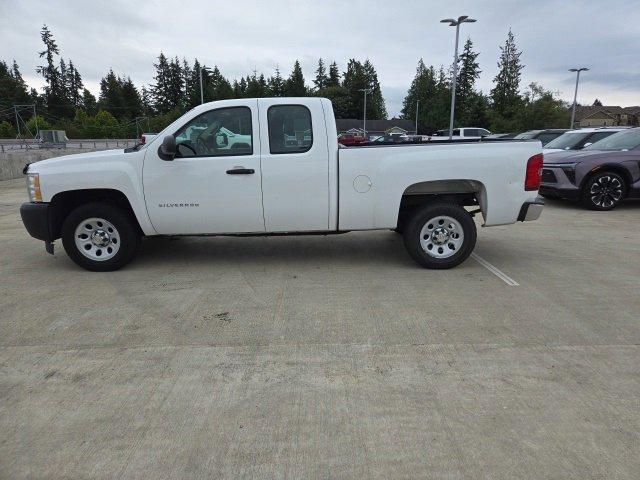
[545, 136]
[600, 176]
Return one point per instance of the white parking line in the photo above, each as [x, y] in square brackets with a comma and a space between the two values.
[502, 276]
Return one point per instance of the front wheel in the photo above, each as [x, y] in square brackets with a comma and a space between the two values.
[440, 236]
[603, 191]
[100, 237]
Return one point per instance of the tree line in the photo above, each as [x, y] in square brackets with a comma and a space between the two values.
[505, 109]
[65, 102]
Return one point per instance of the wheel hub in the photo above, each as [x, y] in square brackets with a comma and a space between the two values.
[100, 238]
[440, 235]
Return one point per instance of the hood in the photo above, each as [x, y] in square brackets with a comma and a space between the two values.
[570, 156]
[77, 158]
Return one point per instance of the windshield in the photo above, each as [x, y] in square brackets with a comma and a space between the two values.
[626, 140]
[526, 135]
[567, 141]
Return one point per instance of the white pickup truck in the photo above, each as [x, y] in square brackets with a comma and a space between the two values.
[273, 166]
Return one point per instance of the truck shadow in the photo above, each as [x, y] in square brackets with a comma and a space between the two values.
[384, 248]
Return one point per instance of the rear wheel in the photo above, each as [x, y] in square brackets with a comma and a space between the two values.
[100, 237]
[603, 191]
[440, 236]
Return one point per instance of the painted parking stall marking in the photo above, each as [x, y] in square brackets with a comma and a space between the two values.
[498, 273]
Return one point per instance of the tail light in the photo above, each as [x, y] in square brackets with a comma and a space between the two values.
[534, 172]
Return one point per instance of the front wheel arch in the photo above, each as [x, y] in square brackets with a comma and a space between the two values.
[63, 203]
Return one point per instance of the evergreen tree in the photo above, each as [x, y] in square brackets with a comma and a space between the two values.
[147, 101]
[192, 84]
[13, 88]
[466, 98]
[321, 80]
[294, 86]
[376, 109]
[176, 85]
[131, 99]
[89, 103]
[334, 75]
[110, 99]
[353, 81]
[74, 86]
[219, 88]
[597, 103]
[54, 88]
[276, 84]
[161, 91]
[256, 86]
[505, 94]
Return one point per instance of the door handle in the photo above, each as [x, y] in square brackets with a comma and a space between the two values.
[241, 171]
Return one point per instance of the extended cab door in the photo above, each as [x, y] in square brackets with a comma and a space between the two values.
[295, 164]
[213, 184]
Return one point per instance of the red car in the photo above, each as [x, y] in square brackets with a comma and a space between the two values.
[350, 139]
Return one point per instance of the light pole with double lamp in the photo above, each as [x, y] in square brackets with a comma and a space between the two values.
[575, 94]
[455, 23]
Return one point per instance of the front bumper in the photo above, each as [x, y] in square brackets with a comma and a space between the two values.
[37, 220]
[531, 210]
[559, 182]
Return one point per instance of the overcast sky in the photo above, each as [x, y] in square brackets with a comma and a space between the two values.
[239, 36]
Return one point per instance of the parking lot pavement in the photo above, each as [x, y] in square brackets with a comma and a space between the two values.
[325, 357]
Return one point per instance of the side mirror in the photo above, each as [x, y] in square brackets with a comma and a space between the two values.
[167, 150]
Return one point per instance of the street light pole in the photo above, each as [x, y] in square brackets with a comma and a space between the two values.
[417, 104]
[455, 23]
[364, 117]
[575, 94]
[201, 89]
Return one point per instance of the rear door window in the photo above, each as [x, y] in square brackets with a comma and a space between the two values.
[290, 129]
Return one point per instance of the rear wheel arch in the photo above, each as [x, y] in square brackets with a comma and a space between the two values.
[462, 192]
[63, 203]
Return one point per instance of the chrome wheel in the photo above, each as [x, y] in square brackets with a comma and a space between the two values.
[606, 191]
[441, 237]
[97, 239]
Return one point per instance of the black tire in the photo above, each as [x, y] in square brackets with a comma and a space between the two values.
[614, 189]
[128, 236]
[413, 240]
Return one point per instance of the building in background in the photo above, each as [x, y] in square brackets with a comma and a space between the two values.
[396, 126]
[607, 116]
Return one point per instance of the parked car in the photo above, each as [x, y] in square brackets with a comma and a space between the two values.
[102, 203]
[545, 136]
[350, 139]
[466, 132]
[600, 176]
[501, 135]
[147, 137]
[578, 139]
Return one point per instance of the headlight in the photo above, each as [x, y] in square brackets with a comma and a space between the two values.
[33, 187]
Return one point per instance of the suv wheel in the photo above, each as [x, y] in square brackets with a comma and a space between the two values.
[440, 236]
[603, 191]
[100, 237]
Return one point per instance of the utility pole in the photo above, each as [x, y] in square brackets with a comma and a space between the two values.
[575, 94]
[455, 23]
[364, 117]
